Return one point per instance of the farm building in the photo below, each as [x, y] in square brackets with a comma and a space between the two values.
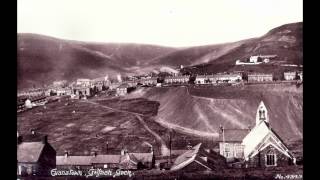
[290, 75]
[35, 158]
[261, 58]
[259, 77]
[197, 159]
[176, 79]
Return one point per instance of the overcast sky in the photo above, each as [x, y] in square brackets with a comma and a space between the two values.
[161, 22]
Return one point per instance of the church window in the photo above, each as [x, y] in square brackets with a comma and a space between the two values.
[271, 159]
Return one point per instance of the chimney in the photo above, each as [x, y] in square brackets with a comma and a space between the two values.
[94, 153]
[45, 139]
[66, 154]
[33, 132]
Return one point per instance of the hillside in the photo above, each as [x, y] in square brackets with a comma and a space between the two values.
[284, 41]
[42, 59]
[202, 111]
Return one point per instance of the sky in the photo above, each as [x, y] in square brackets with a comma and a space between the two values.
[175, 23]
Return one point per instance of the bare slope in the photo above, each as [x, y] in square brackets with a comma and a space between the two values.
[43, 59]
[186, 112]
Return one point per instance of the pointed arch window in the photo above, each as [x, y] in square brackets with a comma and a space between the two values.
[262, 114]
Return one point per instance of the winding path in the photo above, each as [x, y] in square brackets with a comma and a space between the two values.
[164, 148]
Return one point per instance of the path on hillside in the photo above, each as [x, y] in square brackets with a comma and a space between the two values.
[164, 148]
[186, 130]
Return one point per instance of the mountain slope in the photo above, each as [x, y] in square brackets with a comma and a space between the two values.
[284, 41]
[43, 59]
[184, 110]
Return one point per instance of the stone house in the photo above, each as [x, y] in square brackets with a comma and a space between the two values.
[35, 158]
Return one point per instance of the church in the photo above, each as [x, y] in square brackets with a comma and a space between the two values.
[256, 147]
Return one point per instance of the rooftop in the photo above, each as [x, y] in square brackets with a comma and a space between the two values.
[233, 135]
[29, 151]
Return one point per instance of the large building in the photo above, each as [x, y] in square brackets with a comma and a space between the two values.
[124, 160]
[176, 79]
[83, 82]
[260, 77]
[290, 75]
[219, 78]
[149, 81]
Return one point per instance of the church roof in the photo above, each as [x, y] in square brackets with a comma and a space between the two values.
[258, 138]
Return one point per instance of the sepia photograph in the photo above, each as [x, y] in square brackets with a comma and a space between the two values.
[160, 89]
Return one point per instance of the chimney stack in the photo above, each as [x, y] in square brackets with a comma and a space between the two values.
[66, 154]
[45, 139]
[94, 153]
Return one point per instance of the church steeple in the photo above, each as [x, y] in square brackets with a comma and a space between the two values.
[262, 114]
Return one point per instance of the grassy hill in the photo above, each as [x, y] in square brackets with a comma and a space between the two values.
[43, 59]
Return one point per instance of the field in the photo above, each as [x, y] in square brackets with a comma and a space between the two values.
[106, 125]
[84, 126]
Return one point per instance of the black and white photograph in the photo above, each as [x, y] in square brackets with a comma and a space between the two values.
[160, 89]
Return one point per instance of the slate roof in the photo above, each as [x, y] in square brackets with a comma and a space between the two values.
[29, 151]
[188, 157]
[177, 77]
[143, 157]
[103, 159]
[233, 135]
[106, 159]
[258, 136]
[125, 85]
[73, 160]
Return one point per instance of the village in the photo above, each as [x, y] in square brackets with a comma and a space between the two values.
[86, 88]
[258, 146]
